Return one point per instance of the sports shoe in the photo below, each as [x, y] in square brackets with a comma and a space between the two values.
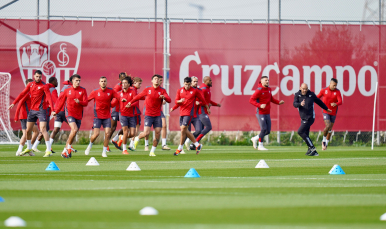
[165, 147]
[152, 154]
[74, 150]
[69, 152]
[116, 145]
[120, 141]
[87, 151]
[136, 140]
[108, 149]
[187, 145]
[104, 154]
[64, 154]
[25, 151]
[324, 146]
[182, 151]
[308, 151]
[177, 152]
[18, 153]
[48, 153]
[131, 149]
[125, 152]
[146, 148]
[313, 152]
[254, 142]
[30, 154]
[52, 151]
[198, 148]
[261, 148]
[36, 150]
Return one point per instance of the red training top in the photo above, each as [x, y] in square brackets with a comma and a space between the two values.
[67, 84]
[128, 96]
[73, 108]
[331, 96]
[39, 92]
[261, 96]
[102, 104]
[208, 95]
[187, 107]
[153, 102]
[23, 108]
[117, 88]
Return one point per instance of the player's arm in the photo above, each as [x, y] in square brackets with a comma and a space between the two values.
[320, 103]
[178, 101]
[84, 101]
[54, 96]
[255, 97]
[115, 100]
[60, 104]
[296, 102]
[135, 104]
[49, 97]
[166, 97]
[19, 105]
[339, 97]
[20, 96]
[201, 97]
[320, 94]
[91, 96]
[139, 96]
[275, 101]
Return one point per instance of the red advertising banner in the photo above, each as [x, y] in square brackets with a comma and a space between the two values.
[90, 49]
[235, 56]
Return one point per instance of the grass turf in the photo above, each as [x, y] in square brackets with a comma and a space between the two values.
[295, 192]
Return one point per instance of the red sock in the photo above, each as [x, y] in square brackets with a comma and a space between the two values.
[260, 140]
[199, 137]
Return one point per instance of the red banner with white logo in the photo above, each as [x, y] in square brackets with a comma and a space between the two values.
[235, 56]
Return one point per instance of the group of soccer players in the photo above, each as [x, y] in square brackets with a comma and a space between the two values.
[38, 101]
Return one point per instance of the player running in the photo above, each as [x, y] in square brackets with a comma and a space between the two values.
[102, 105]
[304, 100]
[115, 113]
[137, 83]
[153, 102]
[332, 98]
[185, 99]
[40, 100]
[127, 112]
[73, 99]
[262, 99]
[21, 114]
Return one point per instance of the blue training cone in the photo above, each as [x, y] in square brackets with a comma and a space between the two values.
[52, 167]
[1, 199]
[192, 173]
[336, 170]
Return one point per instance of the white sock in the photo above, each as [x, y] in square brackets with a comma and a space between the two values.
[116, 138]
[146, 142]
[163, 141]
[35, 146]
[131, 143]
[187, 141]
[327, 141]
[104, 149]
[324, 138]
[196, 144]
[48, 145]
[124, 146]
[137, 139]
[20, 148]
[152, 149]
[29, 145]
[51, 141]
[90, 145]
[180, 147]
[260, 143]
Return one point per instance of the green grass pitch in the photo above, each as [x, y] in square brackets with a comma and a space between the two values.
[295, 192]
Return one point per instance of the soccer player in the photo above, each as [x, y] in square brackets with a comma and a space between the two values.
[137, 83]
[75, 98]
[127, 112]
[115, 113]
[40, 99]
[21, 114]
[332, 98]
[203, 113]
[185, 99]
[262, 99]
[102, 105]
[153, 102]
[52, 84]
[304, 100]
[195, 120]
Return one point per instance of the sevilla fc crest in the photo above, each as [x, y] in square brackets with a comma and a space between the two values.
[53, 54]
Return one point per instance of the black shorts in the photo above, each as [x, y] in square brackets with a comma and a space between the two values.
[155, 121]
[106, 123]
[162, 114]
[128, 121]
[77, 121]
[329, 117]
[61, 117]
[185, 120]
[33, 116]
[138, 119]
[115, 115]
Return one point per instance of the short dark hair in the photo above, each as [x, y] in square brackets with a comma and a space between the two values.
[158, 76]
[187, 80]
[52, 79]
[102, 77]
[334, 80]
[122, 73]
[264, 77]
[128, 79]
[38, 72]
[27, 81]
[74, 76]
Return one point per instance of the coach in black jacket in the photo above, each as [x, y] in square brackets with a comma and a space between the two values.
[304, 100]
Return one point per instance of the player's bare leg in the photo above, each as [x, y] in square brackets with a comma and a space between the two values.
[93, 137]
[185, 133]
[116, 138]
[132, 139]
[22, 142]
[106, 141]
[157, 131]
[325, 133]
[53, 135]
[329, 133]
[35, 133]
[68, 149]
[147, 142]
[30, 126]
[43, 130]
[37, 142]
[164, 134]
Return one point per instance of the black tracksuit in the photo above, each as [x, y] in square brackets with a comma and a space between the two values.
[307, 113]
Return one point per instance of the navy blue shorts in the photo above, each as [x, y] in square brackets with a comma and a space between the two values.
[61, 117]
[185, 120]
[329, 117]
[138, 119]
[106, 123]
[77, 121]
[115, 115]
[33, 116]
[162, 114]
[23, 124]
[128, 121]
[155, 121]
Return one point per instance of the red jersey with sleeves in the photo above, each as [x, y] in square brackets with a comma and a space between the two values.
[153, 102]
[67, 84]
[137, 110]
[187, 107]
[54, 93]
[67, 99]
[261, 96]
[208, 98]
[40, 95]
[23, 108]
[330, 96]
[117, 88]
[197, 107]
[103, 99]
[128, 95]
